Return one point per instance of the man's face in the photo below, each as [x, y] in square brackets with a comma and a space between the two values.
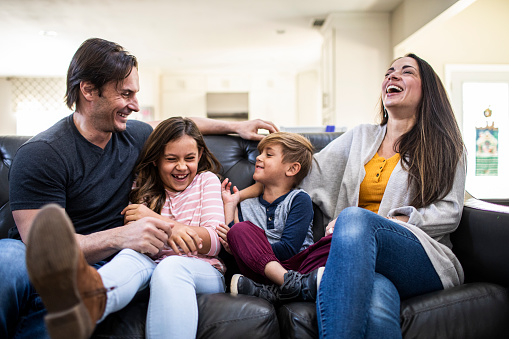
[117, 101]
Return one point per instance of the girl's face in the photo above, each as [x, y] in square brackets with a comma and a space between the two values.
[401, 87]
[179, 163]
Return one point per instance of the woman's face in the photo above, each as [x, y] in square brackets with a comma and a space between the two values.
[401, 88]
[179, 163]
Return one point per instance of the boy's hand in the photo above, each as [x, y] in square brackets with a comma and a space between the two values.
[222, 231]
[330, 227]
[135, 212]
[230, 201]
[228, 197]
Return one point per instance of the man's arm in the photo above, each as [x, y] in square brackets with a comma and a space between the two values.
[246, 129]
[147, 235]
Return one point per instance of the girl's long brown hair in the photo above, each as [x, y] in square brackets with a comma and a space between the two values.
[430, 151]
[149, 188]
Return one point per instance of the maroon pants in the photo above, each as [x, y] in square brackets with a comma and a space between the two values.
[252, 251]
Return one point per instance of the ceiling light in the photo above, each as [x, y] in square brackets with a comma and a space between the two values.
[48, 33]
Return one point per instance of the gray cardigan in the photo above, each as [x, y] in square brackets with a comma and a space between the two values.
[334, 183]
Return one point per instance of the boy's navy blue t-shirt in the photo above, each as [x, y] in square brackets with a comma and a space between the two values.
[60, 166]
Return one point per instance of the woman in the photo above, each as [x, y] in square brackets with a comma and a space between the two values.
[395, 191]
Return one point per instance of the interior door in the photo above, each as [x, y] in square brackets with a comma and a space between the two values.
[480, 98]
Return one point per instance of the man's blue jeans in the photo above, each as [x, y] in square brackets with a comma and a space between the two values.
[373, 262]
[21, 309]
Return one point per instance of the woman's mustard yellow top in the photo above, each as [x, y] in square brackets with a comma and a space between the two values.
[378, 171]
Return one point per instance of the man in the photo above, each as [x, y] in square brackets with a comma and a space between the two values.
[84, 163]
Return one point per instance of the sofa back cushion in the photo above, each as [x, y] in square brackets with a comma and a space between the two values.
[8, 147]
[236, 155]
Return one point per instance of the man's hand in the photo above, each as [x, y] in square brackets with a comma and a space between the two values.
[147, 235]
[135, 212]
[222, 231]
[249, 129]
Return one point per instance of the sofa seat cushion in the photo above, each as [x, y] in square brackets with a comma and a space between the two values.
[225, 316]
[129, 322]
[221, 315]
[450, 311]
[298, 320]
[474, 310]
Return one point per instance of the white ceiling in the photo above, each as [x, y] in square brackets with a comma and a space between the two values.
[39, 37]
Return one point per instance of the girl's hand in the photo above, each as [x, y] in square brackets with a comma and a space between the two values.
[186, 238]
[222, 231]
[135, 212]
[330, 227]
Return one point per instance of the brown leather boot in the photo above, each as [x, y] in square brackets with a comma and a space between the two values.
[71, 290]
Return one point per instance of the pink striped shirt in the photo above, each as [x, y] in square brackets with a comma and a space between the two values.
[200, 204]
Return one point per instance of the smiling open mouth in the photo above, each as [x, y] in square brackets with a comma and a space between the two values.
[393, 89]
[179, 176]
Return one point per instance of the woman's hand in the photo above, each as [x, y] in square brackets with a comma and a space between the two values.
[185, 238]
[330, 227]
[222, 231]
[135, 212]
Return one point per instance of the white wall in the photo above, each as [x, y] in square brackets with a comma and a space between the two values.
[476, 35]
[412, 15]
[272, 96]
[148, 96]
[7, 119]
[309, 101]
[361, 54]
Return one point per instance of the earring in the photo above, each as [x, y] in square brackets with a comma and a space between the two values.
[385, 113]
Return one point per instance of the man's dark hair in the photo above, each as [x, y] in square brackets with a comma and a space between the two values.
[98, 61]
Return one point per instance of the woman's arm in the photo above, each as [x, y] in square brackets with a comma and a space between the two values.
[443, 216]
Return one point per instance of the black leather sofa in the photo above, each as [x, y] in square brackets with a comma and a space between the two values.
[477, 309]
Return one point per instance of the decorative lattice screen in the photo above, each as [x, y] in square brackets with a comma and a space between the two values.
[37, 103]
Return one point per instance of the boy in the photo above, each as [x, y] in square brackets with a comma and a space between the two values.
[269, 231]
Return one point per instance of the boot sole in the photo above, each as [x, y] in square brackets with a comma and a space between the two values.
[234, 284]
[52, 259]
[319, 275]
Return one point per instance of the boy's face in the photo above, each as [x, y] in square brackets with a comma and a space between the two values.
[269, 165]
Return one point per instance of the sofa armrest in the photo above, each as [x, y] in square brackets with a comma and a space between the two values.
[481, 242]
[469, 311]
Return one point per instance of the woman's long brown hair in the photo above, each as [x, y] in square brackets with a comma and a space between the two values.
[149, 188]
[430, 151]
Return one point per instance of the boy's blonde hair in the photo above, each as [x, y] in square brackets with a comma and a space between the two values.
[296, 148]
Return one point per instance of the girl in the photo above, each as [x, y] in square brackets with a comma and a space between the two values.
[178, 195]
[176, 181]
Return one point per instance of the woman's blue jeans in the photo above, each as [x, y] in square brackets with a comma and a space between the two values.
[373, 262]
